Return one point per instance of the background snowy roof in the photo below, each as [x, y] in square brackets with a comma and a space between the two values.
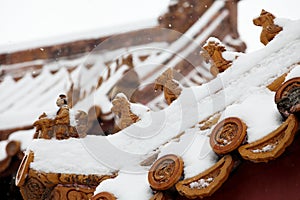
[63, 21]
[25, 21]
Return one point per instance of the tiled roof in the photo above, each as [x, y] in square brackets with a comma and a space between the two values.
[241, 91]
[94, 77]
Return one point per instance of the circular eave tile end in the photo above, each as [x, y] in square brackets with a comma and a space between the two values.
[228, 135]
[165, 172]
[104, 196]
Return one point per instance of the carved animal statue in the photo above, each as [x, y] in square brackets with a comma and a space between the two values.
[171, 91]
[81, 118]
[121, 109]
[166, 83]
[162, 79]
[44, 127]
[269, 29]
[213, 52]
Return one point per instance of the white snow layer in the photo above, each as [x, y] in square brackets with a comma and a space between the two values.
[18, 109]
[65, 156]
[25, 137]
[258, 111]
[99, 97]
[195, 150]
[293, 73]
[127, 186]
[3, 153]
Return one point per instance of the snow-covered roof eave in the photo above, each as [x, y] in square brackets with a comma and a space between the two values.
[250, 73]
[265, 65]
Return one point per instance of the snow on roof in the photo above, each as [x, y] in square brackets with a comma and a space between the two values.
[293, 74]
[24, 101]
[136, 186]
[99, 97]
[76, 159]
[34, 23]
[3, 153]
[24, 137]
[187, 43]
[257, 110]
[244, 81]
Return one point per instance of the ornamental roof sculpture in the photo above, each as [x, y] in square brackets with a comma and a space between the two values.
[269, 28]
[166, 83]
